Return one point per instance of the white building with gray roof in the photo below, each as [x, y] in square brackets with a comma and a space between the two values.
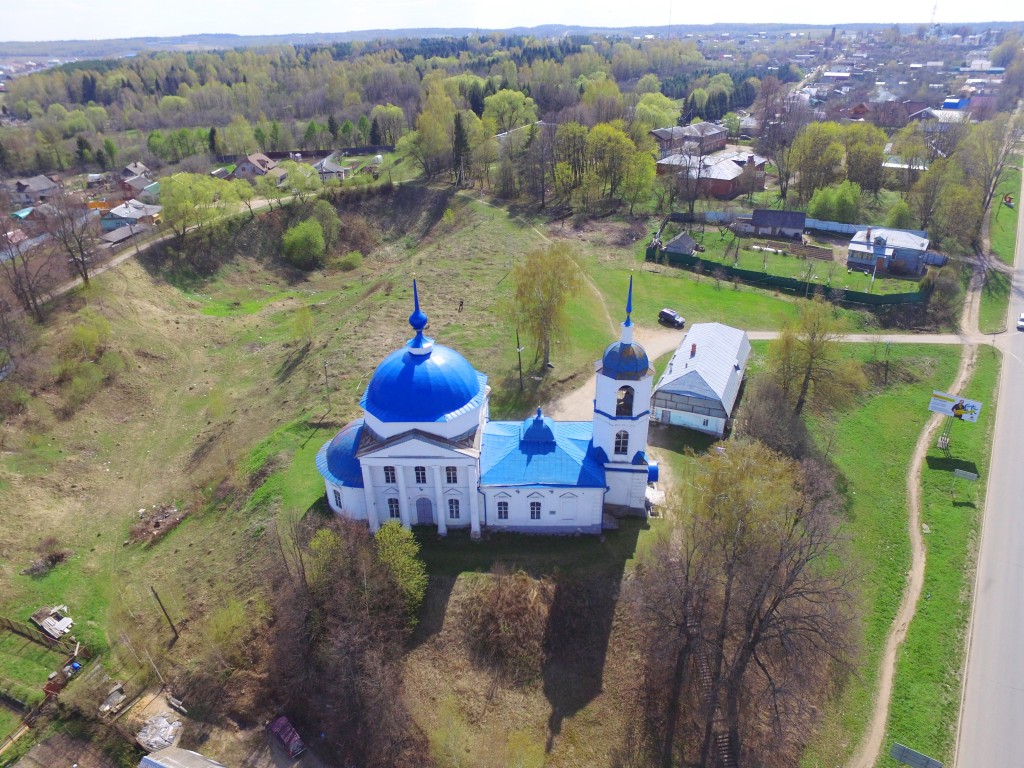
[699, 388]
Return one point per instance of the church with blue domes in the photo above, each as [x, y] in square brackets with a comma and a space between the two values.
[426, 452]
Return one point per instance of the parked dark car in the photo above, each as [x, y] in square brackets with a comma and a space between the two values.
[671, 318]
[285, 733]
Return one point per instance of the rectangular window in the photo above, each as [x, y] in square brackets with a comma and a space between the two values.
[421, 475]
[389, 475]
[337, 498]
[535, 510]
[393, 511]
[452, 474]
[503, 510]
[705, 422]
[453, 509]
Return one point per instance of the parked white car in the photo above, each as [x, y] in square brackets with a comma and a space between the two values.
[1020, 322]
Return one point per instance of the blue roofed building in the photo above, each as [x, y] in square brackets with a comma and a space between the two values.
[425, 451]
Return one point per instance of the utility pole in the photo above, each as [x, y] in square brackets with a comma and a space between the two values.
[166, 616]
[519, 352]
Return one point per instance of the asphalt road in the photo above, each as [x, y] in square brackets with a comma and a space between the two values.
[991, 733]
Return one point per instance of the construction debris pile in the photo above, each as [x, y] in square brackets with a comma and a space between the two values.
[159, 732]
[156, 522]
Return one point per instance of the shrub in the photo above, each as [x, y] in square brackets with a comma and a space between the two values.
[304, 244]
[350, 261]
[90, 334]
[86, 382]
[399, 551]
[112, 363]
[507, 622]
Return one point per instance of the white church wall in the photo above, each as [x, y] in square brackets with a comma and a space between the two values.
[626, 487]
[562, 510]
[444, 429]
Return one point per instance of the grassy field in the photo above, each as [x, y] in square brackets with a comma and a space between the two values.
[872, 445]
[1003, 220]
[24, 668]
[995, 300]
[926, 690]
[222, 406]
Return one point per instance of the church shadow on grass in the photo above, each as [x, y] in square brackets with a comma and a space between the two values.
[587, 571]
[951, 464]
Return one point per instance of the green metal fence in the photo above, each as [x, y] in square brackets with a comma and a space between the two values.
[777, 283]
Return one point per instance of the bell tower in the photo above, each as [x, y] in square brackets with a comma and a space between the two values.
[622, 413]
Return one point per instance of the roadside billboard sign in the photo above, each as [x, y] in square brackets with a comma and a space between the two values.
[955, 406]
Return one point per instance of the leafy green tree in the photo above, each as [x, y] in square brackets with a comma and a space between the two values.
[363, 129]
[391, 125]
[509, 110]
[817, 157]
[325, 213]
[636, 184]
[609, 150]
[245, 193]
[654, 110]
[649, 83]
[304, 245]
[398, 550]
[543, 283]
[899, 216]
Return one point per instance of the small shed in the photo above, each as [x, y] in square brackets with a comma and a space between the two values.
[681, 243]
[769, 223]
[701, 384]
[53, 620]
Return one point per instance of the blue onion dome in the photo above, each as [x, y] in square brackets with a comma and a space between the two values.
[423, 381]
[421, 387]
[537, 429]
[625, 360]
[340, 455]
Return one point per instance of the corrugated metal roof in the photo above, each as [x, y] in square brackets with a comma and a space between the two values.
[716, 368]
[567, 459]
[894, 238]
[175, 757]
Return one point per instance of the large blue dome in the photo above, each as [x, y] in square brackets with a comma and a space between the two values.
[338, 457]
[625, 360]
[418, 386]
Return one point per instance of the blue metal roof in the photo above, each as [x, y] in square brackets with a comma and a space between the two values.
[336, 460]
[437, 385]
[625, 360]
[521, 453]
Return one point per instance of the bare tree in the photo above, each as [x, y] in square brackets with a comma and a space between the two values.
[27, 270]
[746, 616]
[806, 359]
[74, 227]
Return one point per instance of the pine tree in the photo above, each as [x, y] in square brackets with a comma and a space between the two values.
[212, 141]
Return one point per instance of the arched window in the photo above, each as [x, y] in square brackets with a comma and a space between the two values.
[624, 402]
[621, 443]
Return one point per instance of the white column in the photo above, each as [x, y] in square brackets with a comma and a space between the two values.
[440, 513]
[370, 494]
[474, 504]
[403, 498]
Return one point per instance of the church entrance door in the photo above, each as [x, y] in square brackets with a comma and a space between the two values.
[424, 511]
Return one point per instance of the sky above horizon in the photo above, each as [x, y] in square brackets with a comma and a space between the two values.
[85, 20]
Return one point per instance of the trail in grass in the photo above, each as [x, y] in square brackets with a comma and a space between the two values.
[867, 754]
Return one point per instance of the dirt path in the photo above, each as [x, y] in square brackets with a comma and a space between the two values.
[871, 743]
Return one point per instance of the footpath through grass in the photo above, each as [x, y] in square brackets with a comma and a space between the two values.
[926, 689]
[872, 444]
